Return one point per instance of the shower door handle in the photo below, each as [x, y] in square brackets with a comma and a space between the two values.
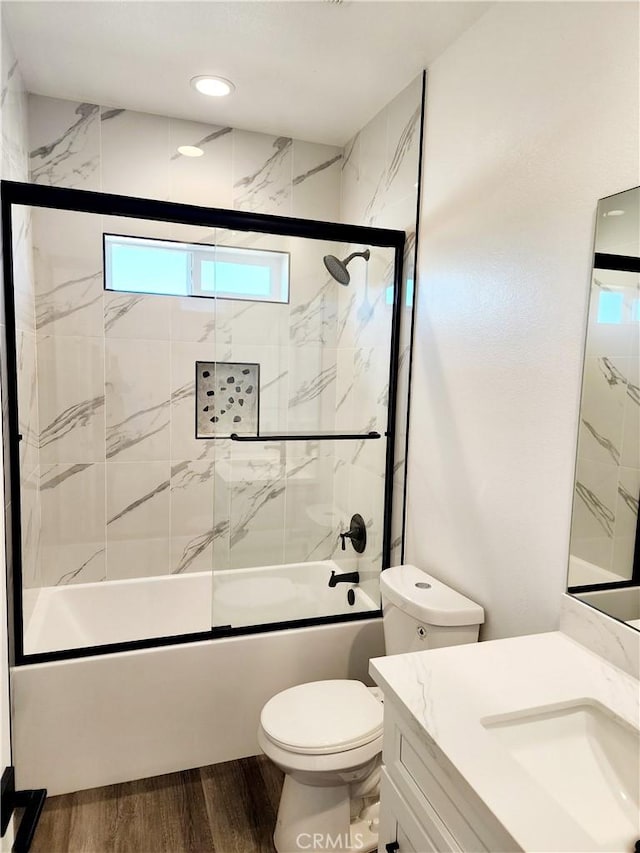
[322, 436]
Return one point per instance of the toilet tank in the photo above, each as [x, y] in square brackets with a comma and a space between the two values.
[419, 612]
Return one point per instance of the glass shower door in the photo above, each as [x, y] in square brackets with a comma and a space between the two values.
[315, 456]
[199, 420]
[116, 543]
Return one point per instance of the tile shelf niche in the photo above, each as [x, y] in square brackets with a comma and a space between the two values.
[227, 393]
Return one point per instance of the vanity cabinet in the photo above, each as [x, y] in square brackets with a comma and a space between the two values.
[425, 806]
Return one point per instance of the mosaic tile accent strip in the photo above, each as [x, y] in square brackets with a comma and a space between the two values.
[227, 398]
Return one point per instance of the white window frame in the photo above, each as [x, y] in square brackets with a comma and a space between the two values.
[278, 263]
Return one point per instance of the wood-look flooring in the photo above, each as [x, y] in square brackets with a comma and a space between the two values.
[224, 808]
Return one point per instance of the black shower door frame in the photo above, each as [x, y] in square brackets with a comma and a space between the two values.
[106, 204]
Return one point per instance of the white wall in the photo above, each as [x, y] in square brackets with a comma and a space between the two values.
[532, 116]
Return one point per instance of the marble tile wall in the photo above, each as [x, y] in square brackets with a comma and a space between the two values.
[605, 512]
[97, 148]
[379, 188]
[116, 435]
[117, 370]
[117, 415]
[14, 166]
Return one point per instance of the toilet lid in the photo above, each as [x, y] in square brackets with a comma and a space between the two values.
[323, 717]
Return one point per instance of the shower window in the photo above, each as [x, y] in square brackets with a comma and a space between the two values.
[170, 268]
[130, 528]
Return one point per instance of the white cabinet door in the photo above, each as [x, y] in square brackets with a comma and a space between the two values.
[456, 817]
[400, 829]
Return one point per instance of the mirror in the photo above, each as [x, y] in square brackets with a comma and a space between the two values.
[604, 561]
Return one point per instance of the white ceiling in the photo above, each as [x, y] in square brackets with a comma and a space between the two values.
[312, 70]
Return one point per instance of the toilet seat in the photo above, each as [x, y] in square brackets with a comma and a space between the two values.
[312, 767]
[322, 717]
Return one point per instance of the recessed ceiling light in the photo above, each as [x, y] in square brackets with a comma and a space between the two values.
[216, 87]
[190, 151]
[615, 213]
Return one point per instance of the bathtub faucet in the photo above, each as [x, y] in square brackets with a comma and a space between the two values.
[347, 577]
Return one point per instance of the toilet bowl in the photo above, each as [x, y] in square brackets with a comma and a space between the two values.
[326, 736]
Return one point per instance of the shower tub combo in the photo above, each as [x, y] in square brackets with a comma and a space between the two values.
[149, 711]
[79, 616]
[158, 604]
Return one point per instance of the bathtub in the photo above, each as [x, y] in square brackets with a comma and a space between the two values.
[581, 573]
[622, 604]
[114, 717]
[95, 614]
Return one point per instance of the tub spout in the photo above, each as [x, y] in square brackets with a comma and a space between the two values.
[347, 577]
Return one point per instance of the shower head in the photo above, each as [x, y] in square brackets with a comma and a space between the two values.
[338, 269]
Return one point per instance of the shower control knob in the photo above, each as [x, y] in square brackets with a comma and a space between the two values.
[357, 533]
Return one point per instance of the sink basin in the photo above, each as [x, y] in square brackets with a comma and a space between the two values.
[587, 759]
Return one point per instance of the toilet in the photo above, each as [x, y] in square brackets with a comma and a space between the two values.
[327, 735]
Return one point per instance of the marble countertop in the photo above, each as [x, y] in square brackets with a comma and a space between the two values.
[446, 693]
